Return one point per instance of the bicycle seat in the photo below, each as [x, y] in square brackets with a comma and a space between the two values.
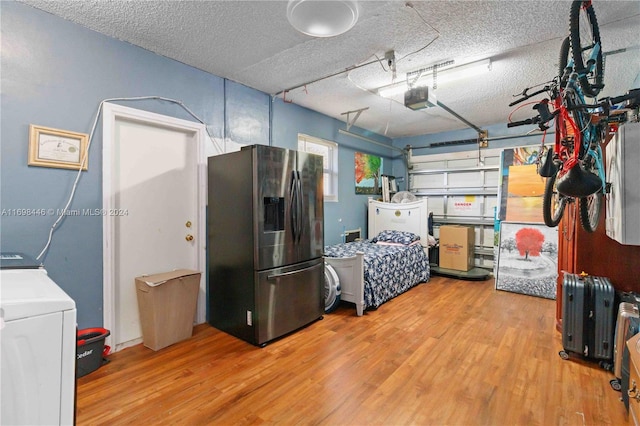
[547, 167]
[578, 182]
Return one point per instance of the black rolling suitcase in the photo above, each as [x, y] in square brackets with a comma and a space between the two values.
[588, 316]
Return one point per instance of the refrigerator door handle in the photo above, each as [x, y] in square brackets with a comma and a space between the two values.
[300, 209]
[293, 206]
[297, 271]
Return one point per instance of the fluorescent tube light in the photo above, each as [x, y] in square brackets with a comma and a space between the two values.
[445, 76]
[393, 89]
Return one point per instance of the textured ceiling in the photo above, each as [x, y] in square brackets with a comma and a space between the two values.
[251, 42]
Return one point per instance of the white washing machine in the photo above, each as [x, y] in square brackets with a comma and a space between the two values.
[37, 346]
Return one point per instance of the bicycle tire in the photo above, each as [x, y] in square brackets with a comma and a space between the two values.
[553, 203]
[590, 211]
[563, 60]
[591, 86]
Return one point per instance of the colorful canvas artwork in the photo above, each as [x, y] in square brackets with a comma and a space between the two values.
[522, 188]
[367, 172]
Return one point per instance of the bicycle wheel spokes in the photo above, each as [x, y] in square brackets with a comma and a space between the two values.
[553, 203]
[590, 211]
[585, 47]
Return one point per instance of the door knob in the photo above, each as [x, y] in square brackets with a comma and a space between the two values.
[189, 237]
[188, 224]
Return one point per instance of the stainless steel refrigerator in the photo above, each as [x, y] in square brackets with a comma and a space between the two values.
[265, 242]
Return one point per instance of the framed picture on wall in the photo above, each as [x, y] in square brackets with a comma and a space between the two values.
[521, 187]
[368, 169]
[50, 147]
[528, 259]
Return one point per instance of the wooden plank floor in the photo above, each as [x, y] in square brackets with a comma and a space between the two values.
[446, 352]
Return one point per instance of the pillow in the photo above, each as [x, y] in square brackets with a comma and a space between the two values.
[398, 237]
[384, 243]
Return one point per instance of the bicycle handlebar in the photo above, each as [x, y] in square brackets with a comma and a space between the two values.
[527, 96]
[543, 117]
[523, 122]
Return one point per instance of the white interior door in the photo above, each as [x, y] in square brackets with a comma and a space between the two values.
[154, 203]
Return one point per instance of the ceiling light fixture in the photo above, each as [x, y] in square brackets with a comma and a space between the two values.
[423, 78]
[322, 18]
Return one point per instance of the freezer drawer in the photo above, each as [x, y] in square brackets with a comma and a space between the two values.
[288, 298]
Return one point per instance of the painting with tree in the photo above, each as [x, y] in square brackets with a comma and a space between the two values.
[368, 169]
[527, 259]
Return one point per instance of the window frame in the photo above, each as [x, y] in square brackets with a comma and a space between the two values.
[329, 174]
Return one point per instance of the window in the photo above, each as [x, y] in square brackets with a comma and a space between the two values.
[329, 152]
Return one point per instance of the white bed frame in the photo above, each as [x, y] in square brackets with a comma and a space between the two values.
[410, 217]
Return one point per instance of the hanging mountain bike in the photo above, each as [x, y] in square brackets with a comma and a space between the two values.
[583, 125]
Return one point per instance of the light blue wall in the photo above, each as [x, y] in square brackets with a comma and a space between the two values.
[55, 74]
[246, 114]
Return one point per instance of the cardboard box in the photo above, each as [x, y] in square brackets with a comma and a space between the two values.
[456, 247]
[167, 304]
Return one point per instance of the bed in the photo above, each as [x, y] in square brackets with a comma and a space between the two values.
[390, 261]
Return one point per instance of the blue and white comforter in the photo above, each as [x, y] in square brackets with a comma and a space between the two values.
[389, 270]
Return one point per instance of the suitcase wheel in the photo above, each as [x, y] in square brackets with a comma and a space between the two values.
[615, 385]
[606, 365]
[563, 355]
